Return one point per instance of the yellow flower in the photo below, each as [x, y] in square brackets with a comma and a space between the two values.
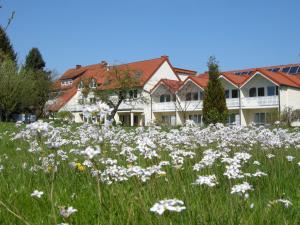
[80, 167]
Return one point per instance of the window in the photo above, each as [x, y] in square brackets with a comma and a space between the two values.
[260, 118]
[188, 96]
[81, 101]
[66, 82]
[201, 95]
[234, 93]
[195, 96]
[231, 119]
[80, 86]
[169, 120]
[133, 93]
[197, 118]
[261, 91]
[271, 90]
[93, 83]
[226, 93]
[165, 98]
[252, 92]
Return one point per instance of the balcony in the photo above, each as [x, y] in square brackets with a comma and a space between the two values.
[131, 105]
[254, 102]
[190, 105]
[163, 106]
[232, 102]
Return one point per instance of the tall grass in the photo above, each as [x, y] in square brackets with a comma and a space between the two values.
[129, 202]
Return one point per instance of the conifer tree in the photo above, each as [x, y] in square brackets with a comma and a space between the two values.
[214, 104]
[34, 60]
[6, 48]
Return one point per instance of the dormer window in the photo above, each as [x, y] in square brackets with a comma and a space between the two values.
[133, 93]
[93, 83]
[81, 85]
[165, 98]
[66, 82]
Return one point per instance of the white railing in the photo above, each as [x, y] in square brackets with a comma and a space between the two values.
[163, 106]
[131, 105]
[232, 102]
[190, 105]
[260, 101]
[73, 108]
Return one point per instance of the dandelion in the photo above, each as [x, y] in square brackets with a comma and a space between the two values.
[169, 204]
[37, 194]
[67, 211]
[79, 167]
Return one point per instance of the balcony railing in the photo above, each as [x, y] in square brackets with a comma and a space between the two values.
[232, 102]
[190, 105]
[163, 106]
[260, 101]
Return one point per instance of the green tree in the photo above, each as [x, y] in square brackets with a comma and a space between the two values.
[11, 89]
[38, 83]
[34, 60]
[6, 48]
[214, 104]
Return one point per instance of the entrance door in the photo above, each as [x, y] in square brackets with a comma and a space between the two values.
[135, 120]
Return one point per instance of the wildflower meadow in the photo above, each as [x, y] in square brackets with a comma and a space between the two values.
[62, 173]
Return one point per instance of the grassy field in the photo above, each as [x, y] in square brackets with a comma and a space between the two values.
[53, 160]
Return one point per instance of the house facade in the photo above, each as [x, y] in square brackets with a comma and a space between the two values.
[170, 95]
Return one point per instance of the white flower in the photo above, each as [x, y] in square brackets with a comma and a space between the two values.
[66, 212]
[269, 156]
[242, 189]
[290, 158]
[91, 152]
[256, 163]
[251, 205]
[207, 180]
[298, 163]
[285, 202]
[169, 204]
[37, 194]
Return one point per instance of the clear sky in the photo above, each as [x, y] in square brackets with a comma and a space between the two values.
[240, 33]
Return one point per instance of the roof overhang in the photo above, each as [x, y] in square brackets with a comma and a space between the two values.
[229, 81]
[189, 80]
[259, 74]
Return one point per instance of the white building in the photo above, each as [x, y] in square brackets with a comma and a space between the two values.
[172, 95]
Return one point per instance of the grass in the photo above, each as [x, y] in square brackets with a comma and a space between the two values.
[129, 202]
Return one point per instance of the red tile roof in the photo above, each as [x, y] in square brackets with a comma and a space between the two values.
[172, 85]
[62, 100]
[184, 71]
[280, 78]
[101, 72]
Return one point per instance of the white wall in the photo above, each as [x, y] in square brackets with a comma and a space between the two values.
[164, 72]
[289, 97]
[257, 81]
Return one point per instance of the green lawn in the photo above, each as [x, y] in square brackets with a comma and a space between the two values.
[129, 202]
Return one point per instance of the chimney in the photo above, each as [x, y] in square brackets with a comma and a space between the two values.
[165, 57]
[78, 66]
[104, 63]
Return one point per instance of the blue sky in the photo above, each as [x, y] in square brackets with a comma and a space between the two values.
[239, 33]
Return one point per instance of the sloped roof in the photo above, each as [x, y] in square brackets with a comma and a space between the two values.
[172, 85]
[184, 71]
[62, 100]
[142, 70]
[280, 78]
